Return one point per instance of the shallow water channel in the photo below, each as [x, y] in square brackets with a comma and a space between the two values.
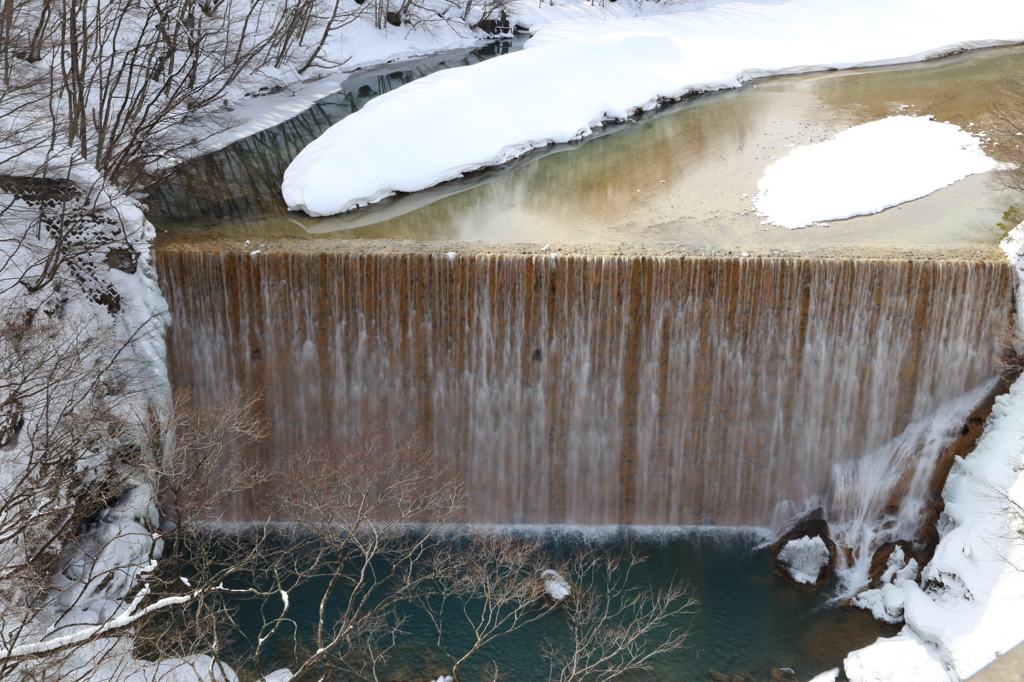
[683, 174]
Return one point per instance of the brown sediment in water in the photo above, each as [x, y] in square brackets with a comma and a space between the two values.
[676, 388]
[836, 632]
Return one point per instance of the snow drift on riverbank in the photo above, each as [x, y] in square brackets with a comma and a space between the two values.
[84, 381]
[360, 45]
[867, 169]
[572, 77]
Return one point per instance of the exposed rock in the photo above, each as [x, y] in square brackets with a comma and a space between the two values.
[719, 677]
[847, 554]
[880, 560]
[499, 26]
[11, 421]
[393, 18]
[783, 675]
[125, 260]
[34, 191]
[802, 534]
[928, 536]
[810, 524]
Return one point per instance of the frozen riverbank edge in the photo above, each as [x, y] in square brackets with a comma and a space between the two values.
[285, 94]
[574, 76]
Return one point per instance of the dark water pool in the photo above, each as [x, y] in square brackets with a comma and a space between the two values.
[747, 623]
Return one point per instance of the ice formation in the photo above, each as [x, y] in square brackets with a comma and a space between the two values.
[968, 612]
[886, 602]
[804, 558]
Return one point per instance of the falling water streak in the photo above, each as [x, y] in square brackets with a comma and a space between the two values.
[592, 390]
[879, 497]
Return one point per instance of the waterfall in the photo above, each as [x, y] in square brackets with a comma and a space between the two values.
[880, 497]
[597, 390]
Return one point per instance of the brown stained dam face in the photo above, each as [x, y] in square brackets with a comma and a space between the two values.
[590, 389]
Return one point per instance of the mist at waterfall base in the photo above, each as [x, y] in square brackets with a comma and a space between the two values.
[748, 620]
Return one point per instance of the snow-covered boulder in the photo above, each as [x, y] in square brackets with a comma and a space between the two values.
[805, 558]
[805, 554]
[555, 586]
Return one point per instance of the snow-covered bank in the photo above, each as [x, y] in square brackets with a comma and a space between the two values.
[360, 45]
[83, 390]
[867, 169]
[287, 94]
[572, 77]
[968, 611]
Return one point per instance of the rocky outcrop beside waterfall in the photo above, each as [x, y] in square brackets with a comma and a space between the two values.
[83, 397]
[965, 611]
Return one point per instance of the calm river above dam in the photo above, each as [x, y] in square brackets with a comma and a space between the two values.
[683, 174]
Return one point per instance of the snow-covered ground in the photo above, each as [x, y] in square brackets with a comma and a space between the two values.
[867, 169]
[574, 76]
[359, 45]
[82, 325]
[587, 64]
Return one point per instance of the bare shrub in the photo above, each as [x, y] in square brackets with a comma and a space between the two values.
[615, 626]
[1007, 110]
[490, 582]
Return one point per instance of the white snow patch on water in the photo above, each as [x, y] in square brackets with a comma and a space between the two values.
[804, 558]
[573, 77]
[867, 169]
